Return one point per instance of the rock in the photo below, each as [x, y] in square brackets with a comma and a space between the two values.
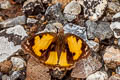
[113, 7]
[18, 63]
[99, 75]
[117, 15]
[115, 77]
[31, 20]
[53, 27]
[15, 75]
[91, 27]
[63, 2]
[54, 13]
[12, 22]
[33, 7]
[118, 70]
[5, 77]
[93, 45]
[102, 31]
[75, 29]
[118, 42]
[93, 9]
[85, 67]
[112, 56]
[37, 71]
[116, 29]
[70, 17]
[5, 66]
[10, 40]
[72, 10]
[1, 74]
[5, 4]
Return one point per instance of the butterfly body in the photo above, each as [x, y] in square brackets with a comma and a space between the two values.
[56, 49]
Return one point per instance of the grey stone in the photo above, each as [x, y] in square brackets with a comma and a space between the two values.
[101, 31]
[15, 75]
[115, 26]
[18, 63]
[118, 70]
[91, 27]
[5, 77]
[75, 29]
[5, 4]
[93, 9]
[85, 67]
[31, 20]
[10, 40]
[114, 7]
[54, 13]
[70, 17]
[12, 22]
[99, 75]
[117, 15]
[71, 10]
[93, 45]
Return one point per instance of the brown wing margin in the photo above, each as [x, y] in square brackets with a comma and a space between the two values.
[29, 44]
[70, 40]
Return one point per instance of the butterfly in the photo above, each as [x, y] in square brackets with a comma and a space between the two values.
[56, 49]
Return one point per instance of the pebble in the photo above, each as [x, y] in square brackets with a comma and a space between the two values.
[31, 20]
[1, 74]
[53, 27]
[76, 29]
[15, 75]
[54, 12]
[93, 45]
[18, 63]
[71, 10]
[33, 7]
[5, 66]
[85, 67]
[101, 30]
[112, 57]
[99, 75]
[93, 9]
[5, 4]
[117, 15]
[115, 77]
[10, 40]
[5, 77]
[36, 71]
[116, 29]
[118, 70]
[91, 27]
[113, 7]
[63, 2]
[14, 21]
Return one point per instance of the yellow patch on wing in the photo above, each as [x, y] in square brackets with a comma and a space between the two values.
[63, 60]
[52, 59]
[42, 43]
[75, 46]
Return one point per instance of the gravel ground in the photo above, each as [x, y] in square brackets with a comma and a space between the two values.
[96, 22]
